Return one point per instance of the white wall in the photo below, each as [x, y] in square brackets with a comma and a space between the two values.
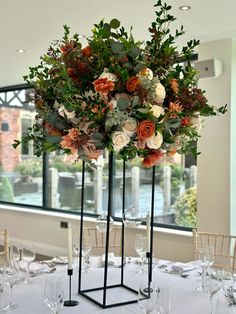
[215, 203]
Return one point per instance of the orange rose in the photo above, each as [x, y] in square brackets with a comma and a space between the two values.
[103, 86]
[171, 152]
[146, 129]
[153, 159]
[132, 84]
[87, 51]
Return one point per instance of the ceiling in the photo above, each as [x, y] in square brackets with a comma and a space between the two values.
[32, 25]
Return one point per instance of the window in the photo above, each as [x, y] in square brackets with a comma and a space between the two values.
[4, 127]
[54, 183]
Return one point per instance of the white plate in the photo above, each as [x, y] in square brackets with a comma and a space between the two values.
[60, 260]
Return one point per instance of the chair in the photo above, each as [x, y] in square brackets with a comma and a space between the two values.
[224, 248]
[99, 240]
[4, 245]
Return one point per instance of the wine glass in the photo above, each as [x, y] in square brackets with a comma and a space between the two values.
[11, 276]
[203, 265]
[87, 250]
[209, 255]
[212, 286]
[163, 304]
[28, 256]
[2, 308]
[140, 244]
[76, 247]
[54, 294]
[147, 296]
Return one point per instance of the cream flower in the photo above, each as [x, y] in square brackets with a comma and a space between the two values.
[110, 76]
[146, 73]
[69, 114]
[196, 122]
[160, 93]
[113, 103]
[129, 126]
[157, 110]
[155, 141]
[120, 139]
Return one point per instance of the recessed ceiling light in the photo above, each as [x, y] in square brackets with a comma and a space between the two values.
[20, 50]
[185, 8]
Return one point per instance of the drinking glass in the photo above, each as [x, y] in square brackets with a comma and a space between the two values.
[203, 265]
[11, 276]
[147, 296]
[209, 255]
[76, 247]
[140, 245]
[87, 250]
[54, 294]
[163, 304]
[28, 256]
[212, 286]
[2, 308]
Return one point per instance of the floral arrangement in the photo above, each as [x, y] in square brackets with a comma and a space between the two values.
[133, 98]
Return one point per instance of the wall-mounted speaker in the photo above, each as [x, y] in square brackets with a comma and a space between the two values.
[208, 68]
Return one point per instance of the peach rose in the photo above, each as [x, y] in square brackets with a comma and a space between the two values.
[90, 150]
[132, 84]
[129, 126]
[155, 141]
[153, 159]
[72, 140]
[120, 139]
[145, 129]
[103, 86]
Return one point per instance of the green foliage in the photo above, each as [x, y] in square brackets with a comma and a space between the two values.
[6, 190]
[30, 167]
[185, 208]
[62, 166]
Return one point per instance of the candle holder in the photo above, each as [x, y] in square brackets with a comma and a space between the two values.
[70, 302]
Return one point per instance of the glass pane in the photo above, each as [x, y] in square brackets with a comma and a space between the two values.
[20, 175]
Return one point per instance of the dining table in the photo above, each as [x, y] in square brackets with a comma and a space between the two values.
[184, 297]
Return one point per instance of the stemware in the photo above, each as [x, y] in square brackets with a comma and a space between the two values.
[203, 265]
[147, 296]
[87, 250]
[76, 247]
[212, 286]
[140, 244]
[163, 303]
[2, 308]
[28, 256]
[209, 255]
[11, 276]
[54, 294]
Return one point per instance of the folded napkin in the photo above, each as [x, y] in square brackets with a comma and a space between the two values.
[35, 267]
[181, 268]
[111, 259]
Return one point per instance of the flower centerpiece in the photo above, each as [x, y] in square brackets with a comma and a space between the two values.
[133, 98]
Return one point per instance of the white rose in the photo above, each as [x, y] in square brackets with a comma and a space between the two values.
[157, 110]
[160, 93]
[146, 73]
[155, 141]
[120, 139]
[110, 76]
[196, 122]
[129, 126]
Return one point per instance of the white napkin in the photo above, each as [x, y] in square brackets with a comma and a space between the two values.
[35, 268]
[111, 259]
[182, 268]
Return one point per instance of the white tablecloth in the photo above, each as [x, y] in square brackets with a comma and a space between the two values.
[184, 297]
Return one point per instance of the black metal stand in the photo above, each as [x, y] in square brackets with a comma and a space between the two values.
[70, 302]
[105, 289]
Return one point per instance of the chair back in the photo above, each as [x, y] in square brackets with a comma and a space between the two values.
[224, 248]
[99, 240]
[4, 245]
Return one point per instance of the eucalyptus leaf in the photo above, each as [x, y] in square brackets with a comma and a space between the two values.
[53, 139]
[122, 103]
[139, 66]
[173, 123]
[134, 51]
[97, 136]
[117, 47]
[114, 23]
